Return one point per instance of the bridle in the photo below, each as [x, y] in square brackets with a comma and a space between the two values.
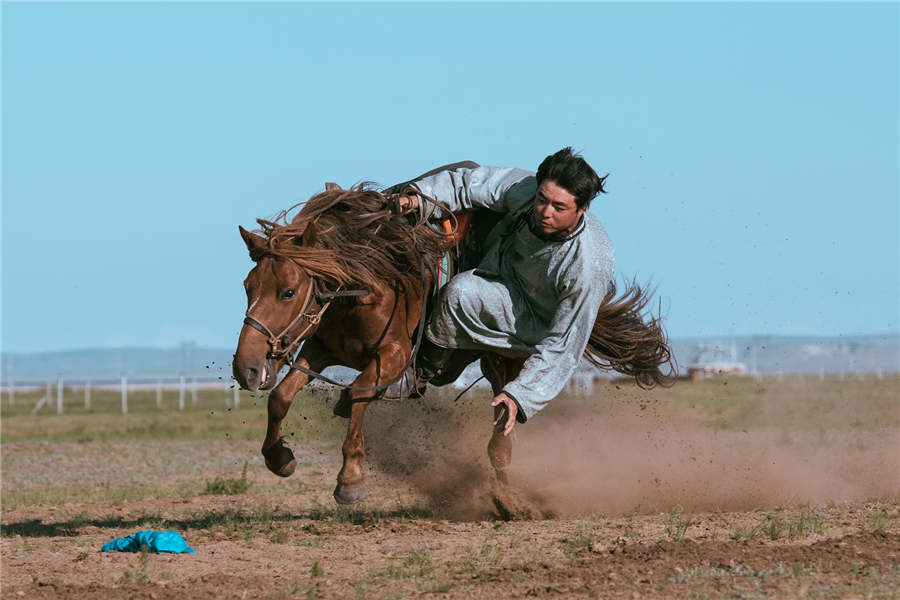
[281, 345]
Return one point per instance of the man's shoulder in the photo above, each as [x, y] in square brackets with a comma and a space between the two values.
[594, 249]
[522, 191]
[596, 231]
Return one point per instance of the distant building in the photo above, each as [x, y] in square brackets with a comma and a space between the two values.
[711, 361]
[699, 371]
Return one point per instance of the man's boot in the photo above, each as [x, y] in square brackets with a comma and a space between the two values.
[430, 363]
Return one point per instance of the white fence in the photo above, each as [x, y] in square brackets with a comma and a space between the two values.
[55, 389]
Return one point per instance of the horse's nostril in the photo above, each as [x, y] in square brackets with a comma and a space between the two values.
[247, 377]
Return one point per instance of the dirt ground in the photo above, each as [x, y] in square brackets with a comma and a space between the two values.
[394, 555]
[636, 496]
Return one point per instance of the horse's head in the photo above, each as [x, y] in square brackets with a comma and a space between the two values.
[280, 313]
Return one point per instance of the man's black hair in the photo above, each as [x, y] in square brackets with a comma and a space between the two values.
[572, 173]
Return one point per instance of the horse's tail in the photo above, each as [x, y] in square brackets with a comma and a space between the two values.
[625, 340]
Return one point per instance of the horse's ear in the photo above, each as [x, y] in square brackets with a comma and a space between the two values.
[308, 238]
[251, 239]
[330, 186]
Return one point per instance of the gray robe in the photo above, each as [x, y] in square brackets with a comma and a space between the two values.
[528, 297]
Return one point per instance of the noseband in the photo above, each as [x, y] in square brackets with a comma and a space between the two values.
[281, 345]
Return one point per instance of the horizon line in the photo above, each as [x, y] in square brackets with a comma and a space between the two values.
[888, 334]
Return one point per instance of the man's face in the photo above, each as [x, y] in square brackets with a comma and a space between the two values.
[555, 210]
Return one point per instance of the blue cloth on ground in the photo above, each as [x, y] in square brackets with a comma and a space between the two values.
[156, 541]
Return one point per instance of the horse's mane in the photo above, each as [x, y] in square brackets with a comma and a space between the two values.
[351, 238]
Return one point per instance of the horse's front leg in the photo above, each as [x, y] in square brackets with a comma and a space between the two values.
[388, 363]
[279, 458]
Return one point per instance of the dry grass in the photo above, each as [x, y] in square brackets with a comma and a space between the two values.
[88, 456]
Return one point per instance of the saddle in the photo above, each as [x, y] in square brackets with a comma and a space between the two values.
[469, 230]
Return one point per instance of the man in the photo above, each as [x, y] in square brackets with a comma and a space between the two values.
[536, 292]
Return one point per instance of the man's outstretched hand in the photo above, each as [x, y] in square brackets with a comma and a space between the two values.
[407, 202]
[511, 409]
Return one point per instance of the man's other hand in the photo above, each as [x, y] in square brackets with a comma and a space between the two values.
[510, 412]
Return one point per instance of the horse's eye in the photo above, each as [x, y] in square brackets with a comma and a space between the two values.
[287, 294]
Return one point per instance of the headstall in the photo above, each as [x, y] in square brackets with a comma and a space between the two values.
[281, 345]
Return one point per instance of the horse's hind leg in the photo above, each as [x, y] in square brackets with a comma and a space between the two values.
[279, 458]
[499, 372]
[389, 361]
[500, 448]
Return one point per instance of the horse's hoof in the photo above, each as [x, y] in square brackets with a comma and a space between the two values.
[280, 460]
[350, 493]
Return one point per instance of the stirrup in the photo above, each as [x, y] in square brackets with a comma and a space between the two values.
[408, 386]
[454, 366]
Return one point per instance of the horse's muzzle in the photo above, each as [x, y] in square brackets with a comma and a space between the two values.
[254, 377]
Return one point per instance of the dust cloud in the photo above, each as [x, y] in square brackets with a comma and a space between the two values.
[609, 455]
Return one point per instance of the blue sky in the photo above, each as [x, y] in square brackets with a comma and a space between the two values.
[752, 148]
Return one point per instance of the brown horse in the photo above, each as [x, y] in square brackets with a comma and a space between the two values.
[347, 276]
